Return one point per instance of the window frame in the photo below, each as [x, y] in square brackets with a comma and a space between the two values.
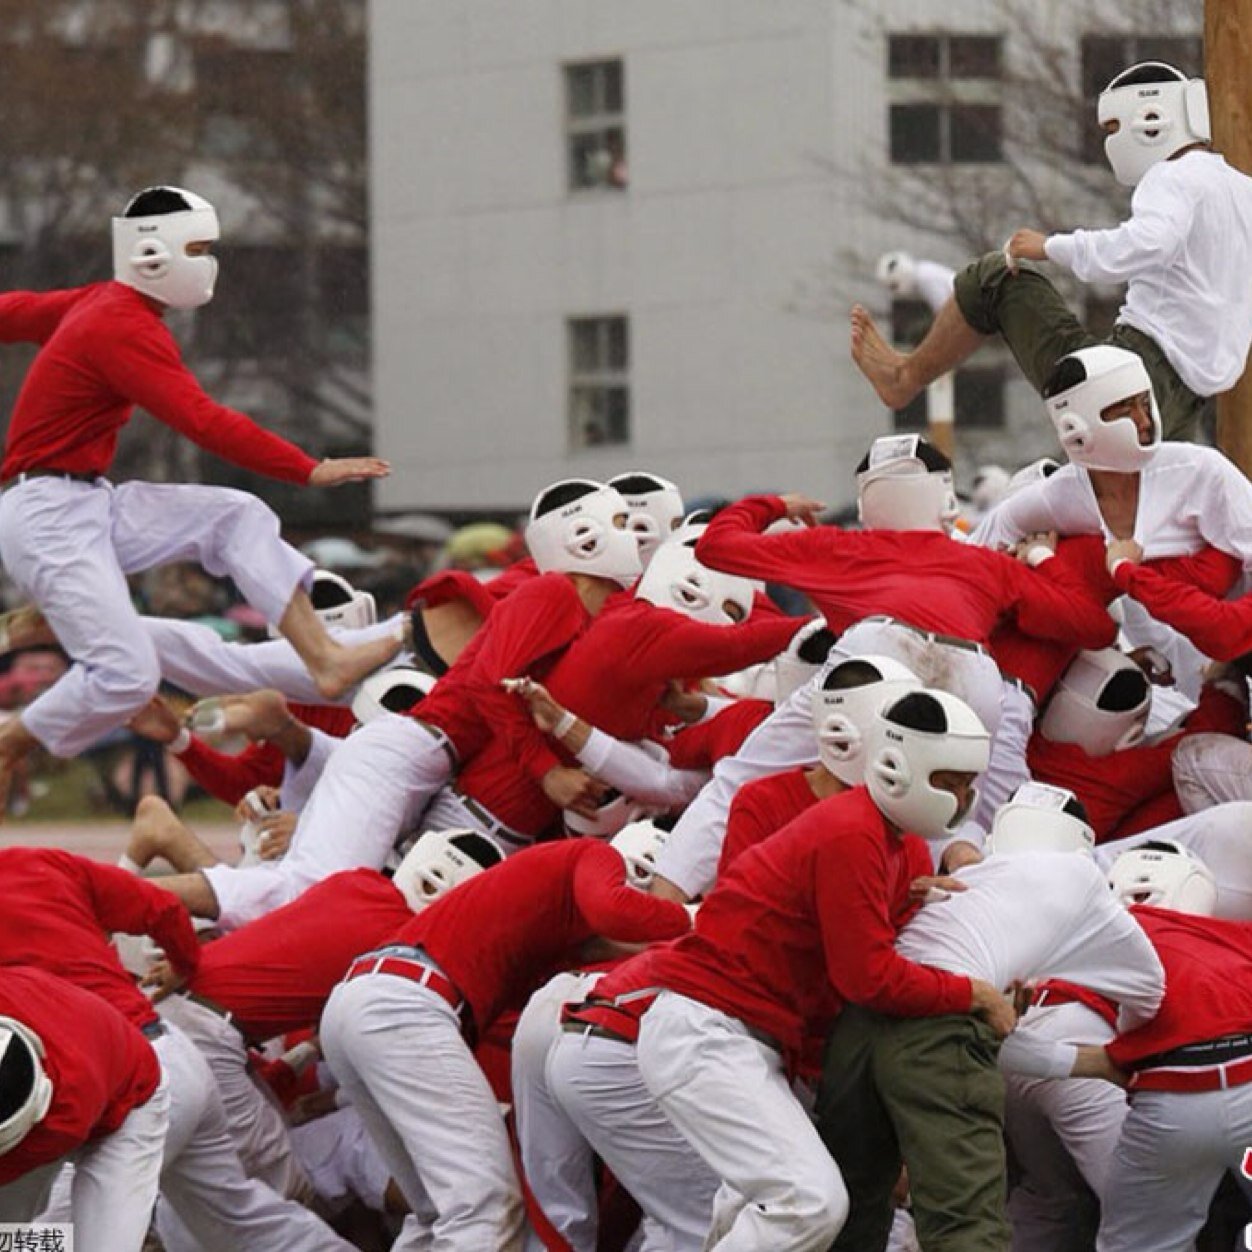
[598, 389]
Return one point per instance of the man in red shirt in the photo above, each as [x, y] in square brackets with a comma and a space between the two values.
[77, 1082]
[798, 924]
[69, 538]
[394, 1031]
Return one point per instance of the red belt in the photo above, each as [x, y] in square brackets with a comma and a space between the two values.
[415, 971]
[1215, 1078]
[1066, 993]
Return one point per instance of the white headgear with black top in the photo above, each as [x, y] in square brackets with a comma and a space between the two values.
[441, 860]
[574, 529]
[1038, 817]
[1166, 875]
[25, 1089]
[1101, 703]
[1080, 387]
[1158, 110]
[676, 580]
[801, 661]
[916, 736]
[150, 252]
[339, 604]
[845, 704]
[905, 484]
[656, 508]
[394, 690]
[639, 845]
[897, 271]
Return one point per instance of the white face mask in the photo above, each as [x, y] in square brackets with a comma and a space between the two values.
[150, 253]
[587, 536]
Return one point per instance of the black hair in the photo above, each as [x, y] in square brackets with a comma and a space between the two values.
[636, 484]
[155, 202]
[1157, 845]
[1147, 72]
[478, 848]
[1068, 372]
[1076, 808]
[562, 493]
[17, 1078]
[326, 593]
[1126, 690]
[918, 710]
[816, 648]
[927, 454]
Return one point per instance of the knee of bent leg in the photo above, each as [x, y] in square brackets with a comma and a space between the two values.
[130, 677]
[152, 811]
[823, 1198]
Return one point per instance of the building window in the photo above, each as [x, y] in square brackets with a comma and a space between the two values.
[1105, 56]
[944, 99]
[595, 121]
[599, 390]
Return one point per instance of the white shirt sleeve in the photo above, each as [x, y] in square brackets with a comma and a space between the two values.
[638, 774]
[1022, 514]
[1032, 1056]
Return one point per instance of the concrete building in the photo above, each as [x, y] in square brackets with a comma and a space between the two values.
[614, 234]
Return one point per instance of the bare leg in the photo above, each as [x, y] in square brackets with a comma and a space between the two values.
[194, 891]
[15, 743]
[260, 715]
[24, 627]
[157, 833]
[899, 376]
[335, 668]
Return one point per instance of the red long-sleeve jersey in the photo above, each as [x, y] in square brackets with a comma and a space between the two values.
[760, 808]
[1208, 983]
[807, 910]
[105, 350]
[1220, 628]
[701, 746]
[460, 584]
[59, 910]
[504, 932]
[100, 1066]
[275, 973]
[1131, 790]
[918, 576]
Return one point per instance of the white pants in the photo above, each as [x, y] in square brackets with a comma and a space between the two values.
[557, 1160]
[1174, 1149]
[341, 1160]
[786, 739]
[115, 1182]
[1212, 769]
[202, 1179]
[397, 1051]
[256, 1124]
[69, 546]
[1221, 837]
[597, 1083]
[728, 1095]
[374, 785]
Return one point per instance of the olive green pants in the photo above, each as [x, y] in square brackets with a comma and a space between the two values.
[1027, 312]
[924, 1092]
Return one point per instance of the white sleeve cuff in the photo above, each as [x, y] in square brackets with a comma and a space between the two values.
[1060, 250]
[1036, 556]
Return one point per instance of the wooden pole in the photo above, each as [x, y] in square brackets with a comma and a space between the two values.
[1228, 72]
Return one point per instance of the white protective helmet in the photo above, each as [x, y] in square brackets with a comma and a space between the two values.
[905, 484]
[639, 844]
[441, 860]
[1080, 387]
[656, 508]
[1038, 817]
[339, 604]
[25, 1089]
[1036, 472]
[844, 707]
[1101, 703]
[394, 690]
[574, 529]
[1165, 875]
[1158, 110]
[897, 271]
[676, 580]
[150, 246]
[802, 659]
[989, 487]
[913, 738]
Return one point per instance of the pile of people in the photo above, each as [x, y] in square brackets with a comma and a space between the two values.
[603, 901]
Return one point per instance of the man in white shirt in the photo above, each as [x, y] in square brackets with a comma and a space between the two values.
[1185, 253]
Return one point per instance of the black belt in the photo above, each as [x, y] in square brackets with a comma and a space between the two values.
[1210, 1052]
[152, 1030]
[441, 738]
[73, 476]
[216, 1009]
[574, 1027]
[491, 824]
[948, 641]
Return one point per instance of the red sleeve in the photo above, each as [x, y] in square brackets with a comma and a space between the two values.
[32, 316]
[701, 746]
[733, 543]
[1221, 629]
[614, 909]
[449, 585]
[1055, 601]
[853, 900]
[126, 902]
[230, 778]
[746, 826]
[148, 370]
[691, 649]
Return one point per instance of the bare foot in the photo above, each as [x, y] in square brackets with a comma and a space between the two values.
[879, 361]
[258, 715]
[340, 668]
[24, 627]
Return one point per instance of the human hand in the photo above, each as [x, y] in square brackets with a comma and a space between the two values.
[803, 509]
[258, 803]
[156, 721]
[335, 471]
[274, 835]
[1122, 550]
[574, 789]
[993, 1006]
[1025, 245]
[958, 854]
[545, 712]
[687, 706]
[163, 979]
[932, 888]
[1036, 548]
[1159, 671]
